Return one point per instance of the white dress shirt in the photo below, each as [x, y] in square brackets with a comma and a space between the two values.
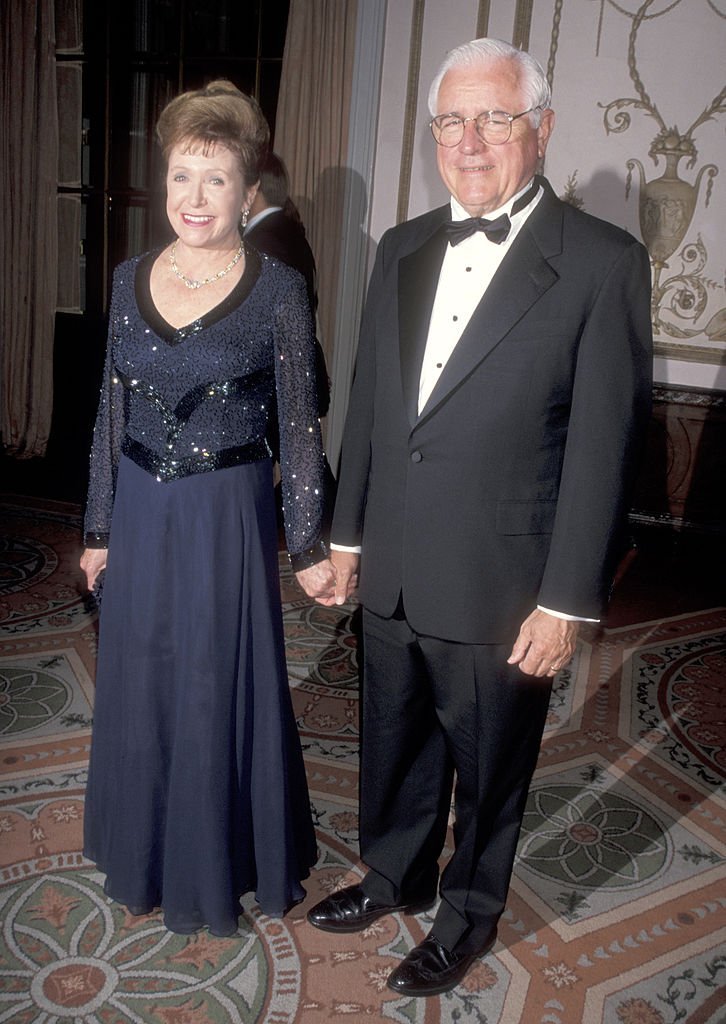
[466, 273]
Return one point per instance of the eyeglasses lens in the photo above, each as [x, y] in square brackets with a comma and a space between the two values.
[449, 131]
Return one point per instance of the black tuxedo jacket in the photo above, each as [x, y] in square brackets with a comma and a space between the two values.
[511, 488]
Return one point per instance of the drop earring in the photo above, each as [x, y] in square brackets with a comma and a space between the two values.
[243, 219]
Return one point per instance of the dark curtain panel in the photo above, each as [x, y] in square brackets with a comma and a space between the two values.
[28, 223]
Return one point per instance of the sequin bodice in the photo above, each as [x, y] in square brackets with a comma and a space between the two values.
[198, 399]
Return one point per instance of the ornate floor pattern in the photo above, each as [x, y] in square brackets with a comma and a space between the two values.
[616, 912]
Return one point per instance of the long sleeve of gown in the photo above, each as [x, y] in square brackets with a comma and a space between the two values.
[108, 434]
[301, 451]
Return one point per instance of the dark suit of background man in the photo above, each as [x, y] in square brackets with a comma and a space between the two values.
[501, 393]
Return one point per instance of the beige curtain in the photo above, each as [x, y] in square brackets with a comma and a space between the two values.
[311, 133]
[28, 223]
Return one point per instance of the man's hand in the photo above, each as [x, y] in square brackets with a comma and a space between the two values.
[345, 569]
[93, 561]
[346, 565]
[545, 644]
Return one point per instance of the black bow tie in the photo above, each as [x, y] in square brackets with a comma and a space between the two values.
[496, 230]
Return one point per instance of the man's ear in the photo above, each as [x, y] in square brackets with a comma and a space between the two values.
[546, 127]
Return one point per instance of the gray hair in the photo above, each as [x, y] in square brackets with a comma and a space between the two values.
[484, 53]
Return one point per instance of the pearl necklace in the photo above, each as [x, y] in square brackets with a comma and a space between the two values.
[188, 281]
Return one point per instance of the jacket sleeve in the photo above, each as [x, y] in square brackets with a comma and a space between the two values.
[610, 409]
[108, 435]
[301, 450]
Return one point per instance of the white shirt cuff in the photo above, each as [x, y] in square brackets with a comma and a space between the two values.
[355, 550]
[564, 615]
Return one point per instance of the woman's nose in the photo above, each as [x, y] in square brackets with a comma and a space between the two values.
[198, 197]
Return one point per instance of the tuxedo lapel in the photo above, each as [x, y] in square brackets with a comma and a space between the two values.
[418, 277]
[524, 275]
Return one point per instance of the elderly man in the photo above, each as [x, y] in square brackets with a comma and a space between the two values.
[501, 393]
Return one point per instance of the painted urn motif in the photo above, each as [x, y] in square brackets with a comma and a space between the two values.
[667, 203]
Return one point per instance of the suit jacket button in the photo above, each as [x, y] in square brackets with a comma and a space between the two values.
[416, 456]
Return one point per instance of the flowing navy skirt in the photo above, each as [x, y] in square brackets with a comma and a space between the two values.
[196, 791]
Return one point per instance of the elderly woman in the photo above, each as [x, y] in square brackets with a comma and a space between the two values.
[196, 790]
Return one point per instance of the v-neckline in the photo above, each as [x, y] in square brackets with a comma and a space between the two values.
[175, 335]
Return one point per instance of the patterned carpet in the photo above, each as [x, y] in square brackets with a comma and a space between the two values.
[616, 912]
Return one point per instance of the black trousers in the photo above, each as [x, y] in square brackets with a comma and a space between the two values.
[434, 711]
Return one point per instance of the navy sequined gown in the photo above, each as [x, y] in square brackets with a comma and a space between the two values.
[196, 791]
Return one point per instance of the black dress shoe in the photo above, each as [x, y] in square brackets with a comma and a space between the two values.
[430, 968]
[349, 910]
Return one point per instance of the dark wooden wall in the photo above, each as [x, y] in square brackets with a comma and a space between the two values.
[681, 486]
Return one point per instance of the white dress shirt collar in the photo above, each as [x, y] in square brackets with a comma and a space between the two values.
[459, 213]
[260, 216]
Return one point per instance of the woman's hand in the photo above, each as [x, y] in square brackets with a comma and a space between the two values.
[338, 580]
[318, 581]
[93, 561]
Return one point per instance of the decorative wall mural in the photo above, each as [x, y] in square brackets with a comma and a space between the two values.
[682, 287]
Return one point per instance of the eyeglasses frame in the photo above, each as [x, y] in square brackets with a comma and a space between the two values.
[511, 118]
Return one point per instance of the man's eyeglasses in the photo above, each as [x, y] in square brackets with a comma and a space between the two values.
[492, 126]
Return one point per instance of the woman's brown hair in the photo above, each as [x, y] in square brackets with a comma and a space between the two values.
[217, 114]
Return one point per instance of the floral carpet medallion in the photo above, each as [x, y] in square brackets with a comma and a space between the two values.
[69, 953]
[42, 693]
[679, 704]
[617, 908]
[320, 646]
[590, 844]
[39, 578]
